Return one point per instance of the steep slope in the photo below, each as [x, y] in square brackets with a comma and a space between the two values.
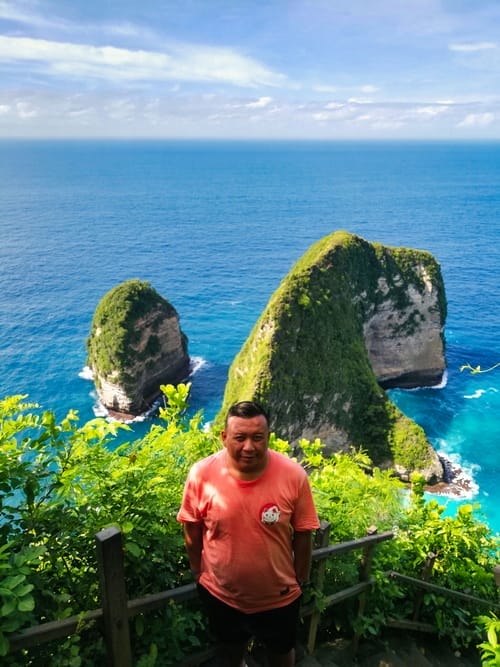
[349, 317]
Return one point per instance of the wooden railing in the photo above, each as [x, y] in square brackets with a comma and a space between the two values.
[116, 609]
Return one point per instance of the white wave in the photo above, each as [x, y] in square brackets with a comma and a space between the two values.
[98, 408]
[196, 363]
[86, 373]
[463, 485]
[101, 411]
[477, 394]
[441, 385]
[444, 381]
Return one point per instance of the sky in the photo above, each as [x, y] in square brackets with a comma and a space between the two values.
[250, 69]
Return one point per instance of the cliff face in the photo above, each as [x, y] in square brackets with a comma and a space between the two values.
[349, 317]
[135, 345]
[405, 344]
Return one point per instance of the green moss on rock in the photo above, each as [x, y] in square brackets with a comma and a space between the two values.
[306, 357]
[124, 341]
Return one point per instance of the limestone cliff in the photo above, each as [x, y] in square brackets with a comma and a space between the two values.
[135, 345]
[349, 317]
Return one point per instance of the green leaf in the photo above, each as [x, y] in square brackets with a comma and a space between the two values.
[8, 607]
[4, 644]
[12, 582]
[492, 636]
[127, 527]
[23, 590]
[134, 549]
[26, 604]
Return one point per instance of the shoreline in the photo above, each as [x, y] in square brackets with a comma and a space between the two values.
[456, 483]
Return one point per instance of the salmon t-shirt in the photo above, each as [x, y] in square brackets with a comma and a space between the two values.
[247, 559]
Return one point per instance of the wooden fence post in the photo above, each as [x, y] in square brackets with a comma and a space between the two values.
[496, 574]
[113, 597]
[426, 575]
[322, 540]
[364, 575]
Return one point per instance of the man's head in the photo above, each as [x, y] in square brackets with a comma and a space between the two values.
[246, 410]
[246, 439]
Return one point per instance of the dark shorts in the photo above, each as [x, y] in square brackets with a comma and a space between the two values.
[276, 628]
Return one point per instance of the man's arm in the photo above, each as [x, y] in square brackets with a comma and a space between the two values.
[302, 550]
[193, 538]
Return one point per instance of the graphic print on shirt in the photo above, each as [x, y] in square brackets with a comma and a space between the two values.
[270, 513]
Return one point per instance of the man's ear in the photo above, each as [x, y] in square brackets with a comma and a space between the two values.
[223, 436]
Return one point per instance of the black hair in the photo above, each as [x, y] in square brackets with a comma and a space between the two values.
[247, 409]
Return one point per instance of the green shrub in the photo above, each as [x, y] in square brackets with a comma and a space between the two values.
[61, 483]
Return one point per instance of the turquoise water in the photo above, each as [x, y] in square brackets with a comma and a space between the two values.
[215, 227]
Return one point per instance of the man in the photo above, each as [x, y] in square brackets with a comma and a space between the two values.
[248, 517]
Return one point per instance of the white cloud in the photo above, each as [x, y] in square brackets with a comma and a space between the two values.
[184, 62]
[477, 120]
[260, 103]
[321, 116]
[431, 110]
[325, 89]
[121, 109]
[473, 46]
[25, 110]
[21, 13]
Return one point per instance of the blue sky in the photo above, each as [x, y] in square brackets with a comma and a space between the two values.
[312, 69]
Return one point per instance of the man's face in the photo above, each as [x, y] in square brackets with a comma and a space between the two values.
[246, 441]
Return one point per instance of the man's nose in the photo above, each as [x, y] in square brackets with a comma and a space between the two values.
[248, 444]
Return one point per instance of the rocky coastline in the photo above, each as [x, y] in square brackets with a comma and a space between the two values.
[455, 484]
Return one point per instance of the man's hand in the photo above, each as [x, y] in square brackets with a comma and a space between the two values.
[193, 537]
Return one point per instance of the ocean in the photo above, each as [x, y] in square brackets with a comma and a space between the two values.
[214, 227]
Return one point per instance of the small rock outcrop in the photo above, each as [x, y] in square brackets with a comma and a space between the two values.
[135, 345]
[351, 318]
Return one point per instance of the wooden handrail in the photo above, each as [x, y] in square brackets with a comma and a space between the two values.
[46, 632]
[63, 628]
[345, 547]
[420, 583]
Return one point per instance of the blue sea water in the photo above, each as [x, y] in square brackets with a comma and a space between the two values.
[215, 226]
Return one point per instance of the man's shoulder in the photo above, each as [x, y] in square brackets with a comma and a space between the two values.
[286, 462]
[207, 463]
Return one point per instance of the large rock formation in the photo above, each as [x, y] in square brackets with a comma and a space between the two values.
[349, 317]
[135, 345]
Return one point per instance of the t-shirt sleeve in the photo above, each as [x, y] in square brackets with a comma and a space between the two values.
[189, 511]
[305, 516]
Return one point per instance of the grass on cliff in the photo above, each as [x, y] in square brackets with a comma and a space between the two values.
[112, 343]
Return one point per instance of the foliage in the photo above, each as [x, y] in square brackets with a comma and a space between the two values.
[408, 443]
[16, 597]
[346, 496]
[61, 483]
[490, 649]
[465, 553]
